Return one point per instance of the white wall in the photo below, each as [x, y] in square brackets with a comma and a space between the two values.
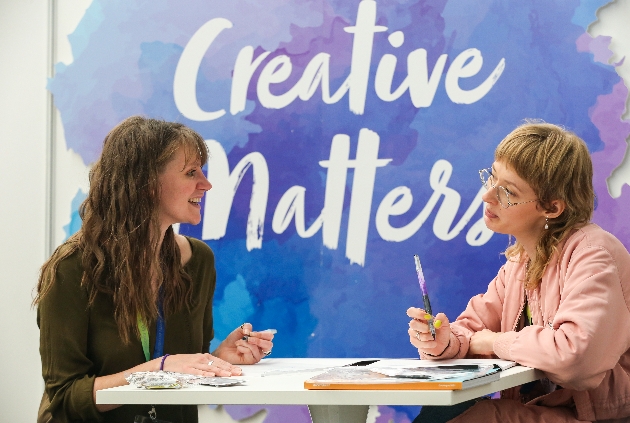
[23, 71]
[23, 136]
[613, 22]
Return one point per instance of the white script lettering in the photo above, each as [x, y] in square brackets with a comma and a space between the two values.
[420, 83]
[292, 203]
[398, 201]
[219, 198]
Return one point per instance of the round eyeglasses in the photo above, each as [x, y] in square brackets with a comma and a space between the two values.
[503, 195]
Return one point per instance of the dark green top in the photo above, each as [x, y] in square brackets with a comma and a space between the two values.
[79, 343]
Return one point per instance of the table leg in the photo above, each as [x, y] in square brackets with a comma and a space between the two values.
[338, 413]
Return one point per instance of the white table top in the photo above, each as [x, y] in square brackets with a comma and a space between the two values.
[280, 381]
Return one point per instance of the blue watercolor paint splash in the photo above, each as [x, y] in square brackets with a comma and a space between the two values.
[75, 219]
[126, 53]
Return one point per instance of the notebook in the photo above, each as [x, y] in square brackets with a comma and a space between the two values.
[411, 375]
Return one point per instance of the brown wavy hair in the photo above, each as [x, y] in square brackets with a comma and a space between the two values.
[120, 235]
[557, 165]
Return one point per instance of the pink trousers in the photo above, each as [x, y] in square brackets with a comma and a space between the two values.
[510, 411]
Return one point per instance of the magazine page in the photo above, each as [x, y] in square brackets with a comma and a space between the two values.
[441, 372]
[416, 362]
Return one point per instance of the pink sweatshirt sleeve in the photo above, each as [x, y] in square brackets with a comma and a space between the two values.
[591, 328]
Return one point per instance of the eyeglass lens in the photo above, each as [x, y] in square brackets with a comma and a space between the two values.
[502, 195]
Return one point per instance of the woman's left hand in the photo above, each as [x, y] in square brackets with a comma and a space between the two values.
[483, 342]
[243, 346]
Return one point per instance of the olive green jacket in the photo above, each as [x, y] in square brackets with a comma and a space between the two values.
[79, 343]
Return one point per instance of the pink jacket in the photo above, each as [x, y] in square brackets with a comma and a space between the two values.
[581, 315]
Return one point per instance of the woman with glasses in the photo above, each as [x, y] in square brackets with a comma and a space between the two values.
[561, 302]
[126, 293]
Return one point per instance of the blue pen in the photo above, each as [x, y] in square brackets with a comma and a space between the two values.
[425, 294]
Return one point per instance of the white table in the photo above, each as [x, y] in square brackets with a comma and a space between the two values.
[280, 381]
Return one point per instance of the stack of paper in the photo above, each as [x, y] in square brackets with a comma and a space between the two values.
[411, 374]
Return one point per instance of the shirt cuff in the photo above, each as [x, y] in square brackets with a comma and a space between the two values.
[75, 402]
[503, 344]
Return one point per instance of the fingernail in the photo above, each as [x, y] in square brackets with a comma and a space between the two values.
[245, 331]
[437, 324]
[427, 316]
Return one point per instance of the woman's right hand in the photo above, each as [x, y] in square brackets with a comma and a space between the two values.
[420, 335]
[200, 364]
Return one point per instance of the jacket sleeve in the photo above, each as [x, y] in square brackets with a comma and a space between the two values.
[590, 328]
[484, 311]
[66, 368]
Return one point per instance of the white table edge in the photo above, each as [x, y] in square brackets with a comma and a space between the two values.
[226, 396]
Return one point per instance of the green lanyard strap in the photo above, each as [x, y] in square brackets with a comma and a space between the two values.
[144, 337]
[158, 349]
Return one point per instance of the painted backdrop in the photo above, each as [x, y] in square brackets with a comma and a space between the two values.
[345, 137]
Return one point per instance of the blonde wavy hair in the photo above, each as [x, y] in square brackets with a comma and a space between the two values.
[557, 165]
[120, 235]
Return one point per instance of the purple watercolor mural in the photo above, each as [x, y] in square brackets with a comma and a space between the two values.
[358, 129]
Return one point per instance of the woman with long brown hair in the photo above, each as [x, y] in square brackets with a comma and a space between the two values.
[561, 302]
[125, 293]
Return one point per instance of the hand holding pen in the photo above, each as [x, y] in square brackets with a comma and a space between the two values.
[244, 346]
[420, 335]
[258, 338]
[423, 328]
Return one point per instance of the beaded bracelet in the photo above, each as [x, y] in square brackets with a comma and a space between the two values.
[162, 364]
